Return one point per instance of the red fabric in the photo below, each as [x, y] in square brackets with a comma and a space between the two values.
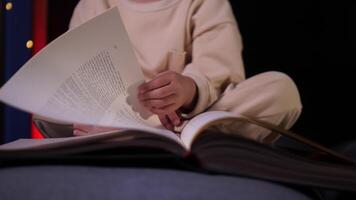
[39, 39]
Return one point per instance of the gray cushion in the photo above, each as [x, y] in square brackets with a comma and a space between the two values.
[90, 182]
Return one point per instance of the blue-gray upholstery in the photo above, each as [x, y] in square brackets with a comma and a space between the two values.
[91, 183]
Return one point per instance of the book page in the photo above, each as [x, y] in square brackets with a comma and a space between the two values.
[200, 122]
[229, 123]
[88, 75]
[35, 144]
[109, 136]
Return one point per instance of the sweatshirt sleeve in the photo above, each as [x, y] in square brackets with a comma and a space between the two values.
[216, 50]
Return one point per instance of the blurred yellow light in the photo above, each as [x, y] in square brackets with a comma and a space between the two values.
[8, 6]
[29, 44]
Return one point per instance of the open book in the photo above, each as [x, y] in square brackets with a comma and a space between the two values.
[89, 75]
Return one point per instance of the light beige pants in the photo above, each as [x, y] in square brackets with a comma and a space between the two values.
[271, 96]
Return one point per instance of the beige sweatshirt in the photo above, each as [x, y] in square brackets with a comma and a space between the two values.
[198, 38]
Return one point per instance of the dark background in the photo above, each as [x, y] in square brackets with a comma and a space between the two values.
[311, 41]
[1, 61]
[1, 44]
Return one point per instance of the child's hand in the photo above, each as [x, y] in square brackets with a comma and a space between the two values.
[82, 129]
[170, 120]
[168, 92]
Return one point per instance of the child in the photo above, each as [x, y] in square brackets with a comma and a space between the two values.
[190, 53]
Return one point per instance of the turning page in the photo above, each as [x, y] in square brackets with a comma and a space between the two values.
[88, 75]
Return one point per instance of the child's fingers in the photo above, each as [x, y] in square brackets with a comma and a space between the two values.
[160, 103]
[158, 93]
[168, 92]
[165, 110]
[77, 132]
[158, 82]
[165, 122]
[82, 129]
[174, 118]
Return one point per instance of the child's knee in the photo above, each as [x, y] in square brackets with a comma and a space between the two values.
[284, 101]
[271, 96]
[283, 94]
[262, 95]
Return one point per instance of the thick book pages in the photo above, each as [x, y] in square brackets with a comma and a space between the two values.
[212, 152]
[210, 149]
